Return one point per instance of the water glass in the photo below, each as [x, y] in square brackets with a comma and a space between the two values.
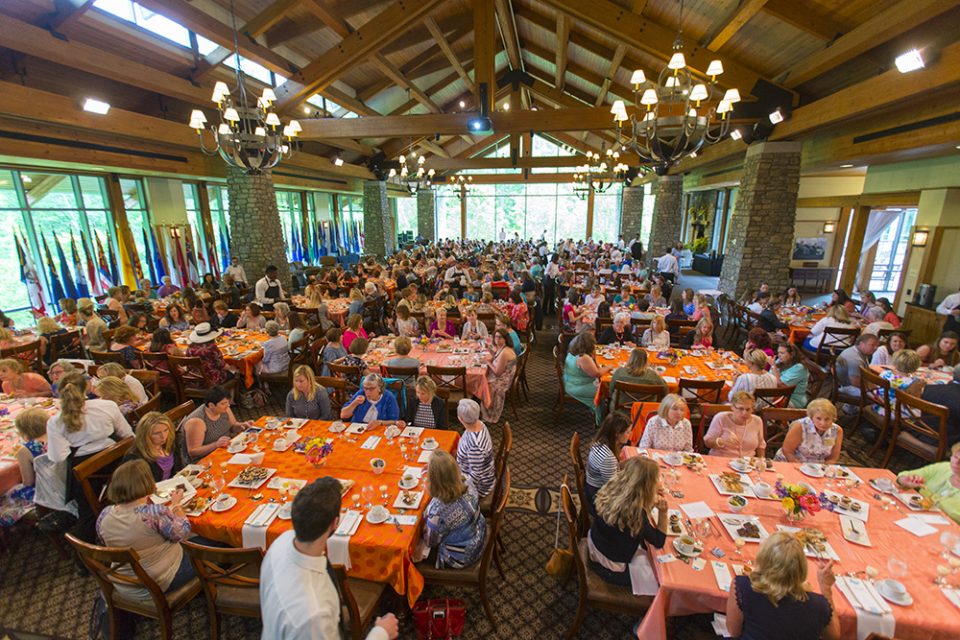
[368, 495]
[356, 501]
[897, 567]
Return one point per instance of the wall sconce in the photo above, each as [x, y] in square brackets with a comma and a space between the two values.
[920, 237]
[829, 227]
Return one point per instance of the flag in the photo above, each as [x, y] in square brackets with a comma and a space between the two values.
[55, 286]
[149, 254]
[176, 238]
[294, 251]
[199, 261]
[90, 256]
[192, 271]
[114, 267]
[69, 288]
[28, 276]
[158, 265]
[104, 276]
[224, 251]
[83, 289]
[128, 269]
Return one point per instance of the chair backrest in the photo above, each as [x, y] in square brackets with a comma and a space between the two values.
[191, 378]
[776, 422]
[500, 461]
[875, 395]
[917, 417]
[94, 468]
[835, 340]
[350, 374]
[626, 393]
[773, 397]
[488, 319]
[299, 354]
[707, 413]
[179, 412]
[153, 404]
[602, 323]
[218, 567]
[453, 380]
[107, 565]
[697, 392]
[68, 344]
[148, 378]
[27, 354]
[337, 390]
[580, 477]
[156, 362]
[570, 511]
[407, 374]
[347, 599]
[817, 379]
[103, 357]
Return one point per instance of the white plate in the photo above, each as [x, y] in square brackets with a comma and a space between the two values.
[847, 525]
[236, 448]
[683, 527]
[285, 515]
[863, 514]
[429, 445]
[239, 485]
[411, 486]
[400, 504]
[828, 550]
[392, 431]
[357, 428]
[732, 521]
[736, 466]
[165, 487]
[883, 485]
[276, 482]
[372, 519]
[744, 480]
[905, 496]
[904, 601]
[336, 427]
[664, 457]
[676, 545]
[850, 475]
[812, 470]
[224, 506]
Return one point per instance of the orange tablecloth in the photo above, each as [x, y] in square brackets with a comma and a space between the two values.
[477, 386]
[617, 357]
[377, 552]
[10, 439]
[241, 348]
[336, 308]
[684, 591]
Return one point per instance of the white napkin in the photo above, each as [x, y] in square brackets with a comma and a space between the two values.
[338, 545]
[696, 510]
[931, 519]
[878, 621]
[953, 595]
[669, 379]
[240, 458]
[405, 520]
[416, 471]
[411, 432]
[371, 443]
[720, 625]
[425, 456]
[722, 573]
[255, 527]
[642, 577]
[915, 526]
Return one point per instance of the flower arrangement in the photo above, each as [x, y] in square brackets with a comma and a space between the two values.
[317, 449]
[798, 502]
[424, 341]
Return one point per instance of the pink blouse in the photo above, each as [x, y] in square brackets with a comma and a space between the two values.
[29, 385]
[738, 440]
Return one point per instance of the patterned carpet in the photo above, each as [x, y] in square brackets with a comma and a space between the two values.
[40, 593]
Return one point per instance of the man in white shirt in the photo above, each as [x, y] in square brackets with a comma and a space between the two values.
[268, 289]
[503, 235]
[950, 307]
[298, 597]
[668, 264]
[236, 270]
[621, 244]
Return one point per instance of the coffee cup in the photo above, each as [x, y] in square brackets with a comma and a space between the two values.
[286, 509]
[762, 489]
[280, 443]
[378, 464]
[686, 545]
[408, 479]
[895, 587]
[224, 499]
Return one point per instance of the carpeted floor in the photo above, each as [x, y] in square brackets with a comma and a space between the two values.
[40, 593]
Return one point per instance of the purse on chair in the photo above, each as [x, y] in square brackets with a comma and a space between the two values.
[439, 618]
[561, 560]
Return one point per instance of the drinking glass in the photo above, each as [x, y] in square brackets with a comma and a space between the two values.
[950, 541]
[356, 500]
[942, 572]
[368, 495]
[217, 483]
[384, 493]
[739, 543]
[403, 452]
[704, 528]
[897, 567]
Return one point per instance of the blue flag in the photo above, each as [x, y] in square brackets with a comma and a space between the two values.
[56, 289]
[158, 265]
[150, 263]
[83, 290]
[69, 288]
[114, 267]
[224, 251]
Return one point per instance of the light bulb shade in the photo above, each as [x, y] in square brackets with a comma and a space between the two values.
[287, 132]
[677, 61]
[638, 77]
[196, 124]
[224, 129]
[231, 115]
[618, 107]
[649, 97]
[284, 148]
[220, 91]
[621, 116]
[672, 82]
[421, 160]
[732, 96]
[432, 172]
[295, 126]
[197, 116]
[715, 68]
[260, 131]
[272, 119]
[402, 159]
[393, 173]
[650, 116]
[692, 113]
[699, 92]
[268, 95]
[724, 106]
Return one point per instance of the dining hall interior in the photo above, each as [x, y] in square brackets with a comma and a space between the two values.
[480, 319]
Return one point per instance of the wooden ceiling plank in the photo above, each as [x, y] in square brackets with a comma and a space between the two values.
[67, 12]
[484, 53]
[563, 37]
[459, 164]
[327, 17]
[734, 22]
[881, 28]
[448, 51]
[801, 16]
[290, 30]
[352, 50]
[585, 74]
[639, 6]
[508, 31]
[615, 62]
[391, 71]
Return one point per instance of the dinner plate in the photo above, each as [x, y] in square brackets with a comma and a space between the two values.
[693, 554]
[732, 521]
[224, 506]
[236, 448]
[285, 515]
[812, 470]
[417, 498]
[336, 427]
[737, 465]
[883, 485]
[904, 601]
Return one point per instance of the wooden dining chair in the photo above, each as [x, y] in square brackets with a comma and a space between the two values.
[149, 379]
[707, 413]
[27, 354]
[103, 357]
[153, 404]
[624, 394]
[697, 392]
[776, 423]
[230, 579]
[350, 374]
[337, 390]
[876, 405]
[593, 590]
[112, 567]
[580, 478]
[835, 340]
[452, 380]
[408, 375]
[561, 389]
[836, 395]
[192, 380]
[916, 424]
[773, 397]
[93, 474]
[158, 363]
[66, 346]
[179, 412]
[817, 380]
[359, 598]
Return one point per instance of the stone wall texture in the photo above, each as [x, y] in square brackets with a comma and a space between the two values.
[631, 212]
[256, 235]
[379, 227]
[427, 214]
[760, 231]
[667, 215]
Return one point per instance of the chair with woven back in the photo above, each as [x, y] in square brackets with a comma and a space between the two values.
[514, 391]
[94, 473]
[28, 355]
[109, 316]
[179, 412]
[421, 318]
[337, 390]
[450, 380]
[884, 334]
[117, 570]
[917, 424]
[488, 319]
[602, 323]
[580, 478]
[350, 374]
[677, 337]
[67, 345]
[475, 575]
[359, 600]
[697, 392]
[500, 459]
[817, 378]
[230, 579]
[408, 375]
[773, 397]
[835, 340]
[192, 380]
[876, 405]
[776, 423]
[624, 394]
[707, 413]
[594, 591]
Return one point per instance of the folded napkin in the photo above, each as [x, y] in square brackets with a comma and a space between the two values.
[874, 615]
[338, 545]
[642, 577]
[371, 443]
[953, 595]
[425, 456]
[255, 527]
[412, 432]
[405, 520]
[240, 458]
[722, 573]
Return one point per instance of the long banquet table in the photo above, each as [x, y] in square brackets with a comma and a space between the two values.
[685, 591]
[10, 407]
[377, 552]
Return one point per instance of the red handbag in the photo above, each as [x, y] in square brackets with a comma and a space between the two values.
[439, 618]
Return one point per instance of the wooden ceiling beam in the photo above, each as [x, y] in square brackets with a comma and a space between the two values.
[460, 164]
[588, 75]
[67, 12]
[801, 15]
[881, 28]
[391, 71]
[484, 53]
[445, 47]
[417, 34]
[290, 30]
[352, 50]
[508, 32]
[562, 38]
[615, 62]
[732, 23]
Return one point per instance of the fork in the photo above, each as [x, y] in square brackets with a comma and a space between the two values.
[396, 523]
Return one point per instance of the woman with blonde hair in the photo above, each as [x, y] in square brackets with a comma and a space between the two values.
[31, 425]
[773, 601]
[452, 523]
[93, 326]
[117, 371]
[20, 383]
[757, 376]
[701, 336]
[155, 442]
[307, 399]
[670, 428]
[837, 317]
[623, 523]
[738, 432]
[426, 409]
[47, 327]
[816, 438]
[116, 390]
[656, 337]
[905, 363]
[356, 302]
[281, 315]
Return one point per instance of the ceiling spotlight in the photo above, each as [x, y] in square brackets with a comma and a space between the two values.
[776, 117]
[96, 106]
[909, 61]
[534, 107]
[462, 104]
[338, 161]
[506, 106]
[845, 166]
[306, 110]
[736, 135]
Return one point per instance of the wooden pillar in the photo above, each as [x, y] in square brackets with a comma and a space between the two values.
[130, 270]
[514, 137]
[306, 236]
[854, 247]
[206, 219]
[840, 237]
[590, 201]
[485, 50]
[463, 211]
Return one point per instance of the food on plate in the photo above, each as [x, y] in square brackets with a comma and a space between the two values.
[407, 497]
[252, 475]
[731, 481]
[813, 538]
[691, 458]
[674, 524]
[855, 506]
[196, 503]
[748, 529]
[737, 501]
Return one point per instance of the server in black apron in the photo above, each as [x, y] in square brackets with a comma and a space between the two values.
[268, 289]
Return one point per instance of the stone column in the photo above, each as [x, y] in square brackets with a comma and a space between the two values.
[631, 212]
[761, 229]
[427, 214]
[256, 234]
[379, 235]
[667, 215]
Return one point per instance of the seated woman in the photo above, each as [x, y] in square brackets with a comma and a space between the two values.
[442, 327]
[603, 459]
[581, 374]
[757, 338]
[518, 311]
[230, 292]
[738, 432]
[939, 481]
[656, 337]
[115, 390]
[816, 438]
[251, 318]
[203, 345]
[655, 297]
[47, 327]
[297, 326]
[31, 425]
[687, 299]
[676, 311]
[757, 376]
[123, 343]
[427, 409]
[473, 329]
[209, 285]
[475, 450]
[406, 324]
[174, 320]
[139, 322]
[625, 297]
[68, 316]
[670, 428]
[356, 302]
[155, 443]
[224, 318]
[333, 350]
[791, 298]
[884, 353]
[701, 336]
[307, 399]
[635, 371]
[500, 372]
[574, 317]
[402, 346]
[889, 315]
[162, 342]
[620, 332]
[153, 530]
[452, 523]
[623, 523]
[942, 353]
[502, 321]
[210, 426]
[837, 317]
[790, 372]
[355, 356]
[20, 383]
[701, 308]
[281, 315]
[276, 351]
[354, 330]
[372, 404]
[774, 597]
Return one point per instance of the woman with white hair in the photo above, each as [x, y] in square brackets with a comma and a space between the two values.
[475, 451]
[372, 404]
[281, 315]
[620, 332]
[875, 322]
[276, 352]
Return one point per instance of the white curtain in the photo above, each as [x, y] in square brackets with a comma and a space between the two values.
[877, 223]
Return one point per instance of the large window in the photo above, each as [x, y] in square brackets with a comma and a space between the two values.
[891, 251]
[220, 215]
[606, 213]
[138, 216]
[290, 207]
[351, 224]
[448, 214]
[406, 215]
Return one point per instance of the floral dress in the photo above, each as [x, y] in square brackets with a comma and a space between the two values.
[211, 359]
[456, 528]
[814, 447]
[19, 500]
[499, 386]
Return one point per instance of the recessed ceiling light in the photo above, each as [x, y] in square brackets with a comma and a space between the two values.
[845, 166]
[338, 162]
[96, 106]
[462, 104]
[909, 61]
[306, 110]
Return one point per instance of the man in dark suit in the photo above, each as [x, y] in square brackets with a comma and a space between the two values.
[947, 395]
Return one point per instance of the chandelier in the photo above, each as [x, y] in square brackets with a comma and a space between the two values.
[600, 171]
[462, 185]
[677, 115]
[413, 180]
[250, 135]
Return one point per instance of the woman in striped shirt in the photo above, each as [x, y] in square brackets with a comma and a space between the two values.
[475, 451]
[602, 460]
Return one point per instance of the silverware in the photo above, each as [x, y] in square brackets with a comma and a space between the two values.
[396, 523]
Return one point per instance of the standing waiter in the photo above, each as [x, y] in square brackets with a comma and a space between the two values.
[268, 289]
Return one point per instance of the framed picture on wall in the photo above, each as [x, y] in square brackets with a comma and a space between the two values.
[814, 248]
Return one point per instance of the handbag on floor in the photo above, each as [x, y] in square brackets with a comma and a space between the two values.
[561, 560]
[439, 618]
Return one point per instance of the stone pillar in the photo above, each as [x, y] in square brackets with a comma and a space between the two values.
[667, 215]
[760, 231]
[256, 235]
[631, 212]
[427, 214]
[379, 235]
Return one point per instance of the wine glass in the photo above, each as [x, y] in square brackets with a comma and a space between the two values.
[217, 483]
[942, 572]
[356, 501]
[403, 452]
[385, 493]
[739, 543]
[368, 494]
[897, 567]
[950, 541]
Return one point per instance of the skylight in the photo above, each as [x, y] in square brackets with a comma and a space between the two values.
[333, 108]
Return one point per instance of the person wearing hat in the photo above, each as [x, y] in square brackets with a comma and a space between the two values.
[268, 289]
[203, 345]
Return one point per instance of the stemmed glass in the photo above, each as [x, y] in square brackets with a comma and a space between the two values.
[385, 493]
[739, 543]
[368, 495]
[217, 483]
[950, 542]
[897, 567]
